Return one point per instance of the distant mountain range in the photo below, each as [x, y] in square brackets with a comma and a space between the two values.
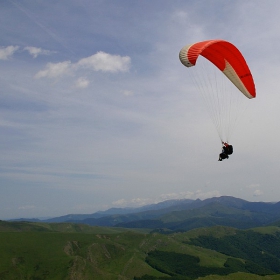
[182, 215]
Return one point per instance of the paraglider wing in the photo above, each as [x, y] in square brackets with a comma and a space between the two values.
[224, 56]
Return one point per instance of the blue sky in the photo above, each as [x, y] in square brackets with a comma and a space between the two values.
[96, 110]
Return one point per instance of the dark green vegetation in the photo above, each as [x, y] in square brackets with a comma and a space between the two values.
[183, 266]
[257, 248]
[75, 251]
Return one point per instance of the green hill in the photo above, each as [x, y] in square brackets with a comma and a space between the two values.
[73, 251]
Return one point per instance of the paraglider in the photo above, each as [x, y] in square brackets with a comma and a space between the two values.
[221, 92]
[226, 151]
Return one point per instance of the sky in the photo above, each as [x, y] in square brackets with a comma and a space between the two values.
[96, 110]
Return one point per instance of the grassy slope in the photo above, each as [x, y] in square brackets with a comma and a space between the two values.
[59, 227]
[56, 255]
[240, 276]
[69, 251]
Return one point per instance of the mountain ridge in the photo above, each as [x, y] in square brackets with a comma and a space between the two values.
[182, 215]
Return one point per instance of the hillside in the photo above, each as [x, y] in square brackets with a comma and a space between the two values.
[71, 251]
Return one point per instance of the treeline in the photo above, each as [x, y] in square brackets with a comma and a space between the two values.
[187, 267]
[261, 251]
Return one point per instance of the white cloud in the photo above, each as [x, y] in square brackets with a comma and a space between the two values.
[98, 62]
[253, 186]
[105, 62]
[136, 202]
[141, 201]
[204, 195]
[182, 195]
[258, 192]
[82, 83]
[120, 203]
[54, 70]
[190, 195]
[7, 52]
[37, 51]
[127, 93]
